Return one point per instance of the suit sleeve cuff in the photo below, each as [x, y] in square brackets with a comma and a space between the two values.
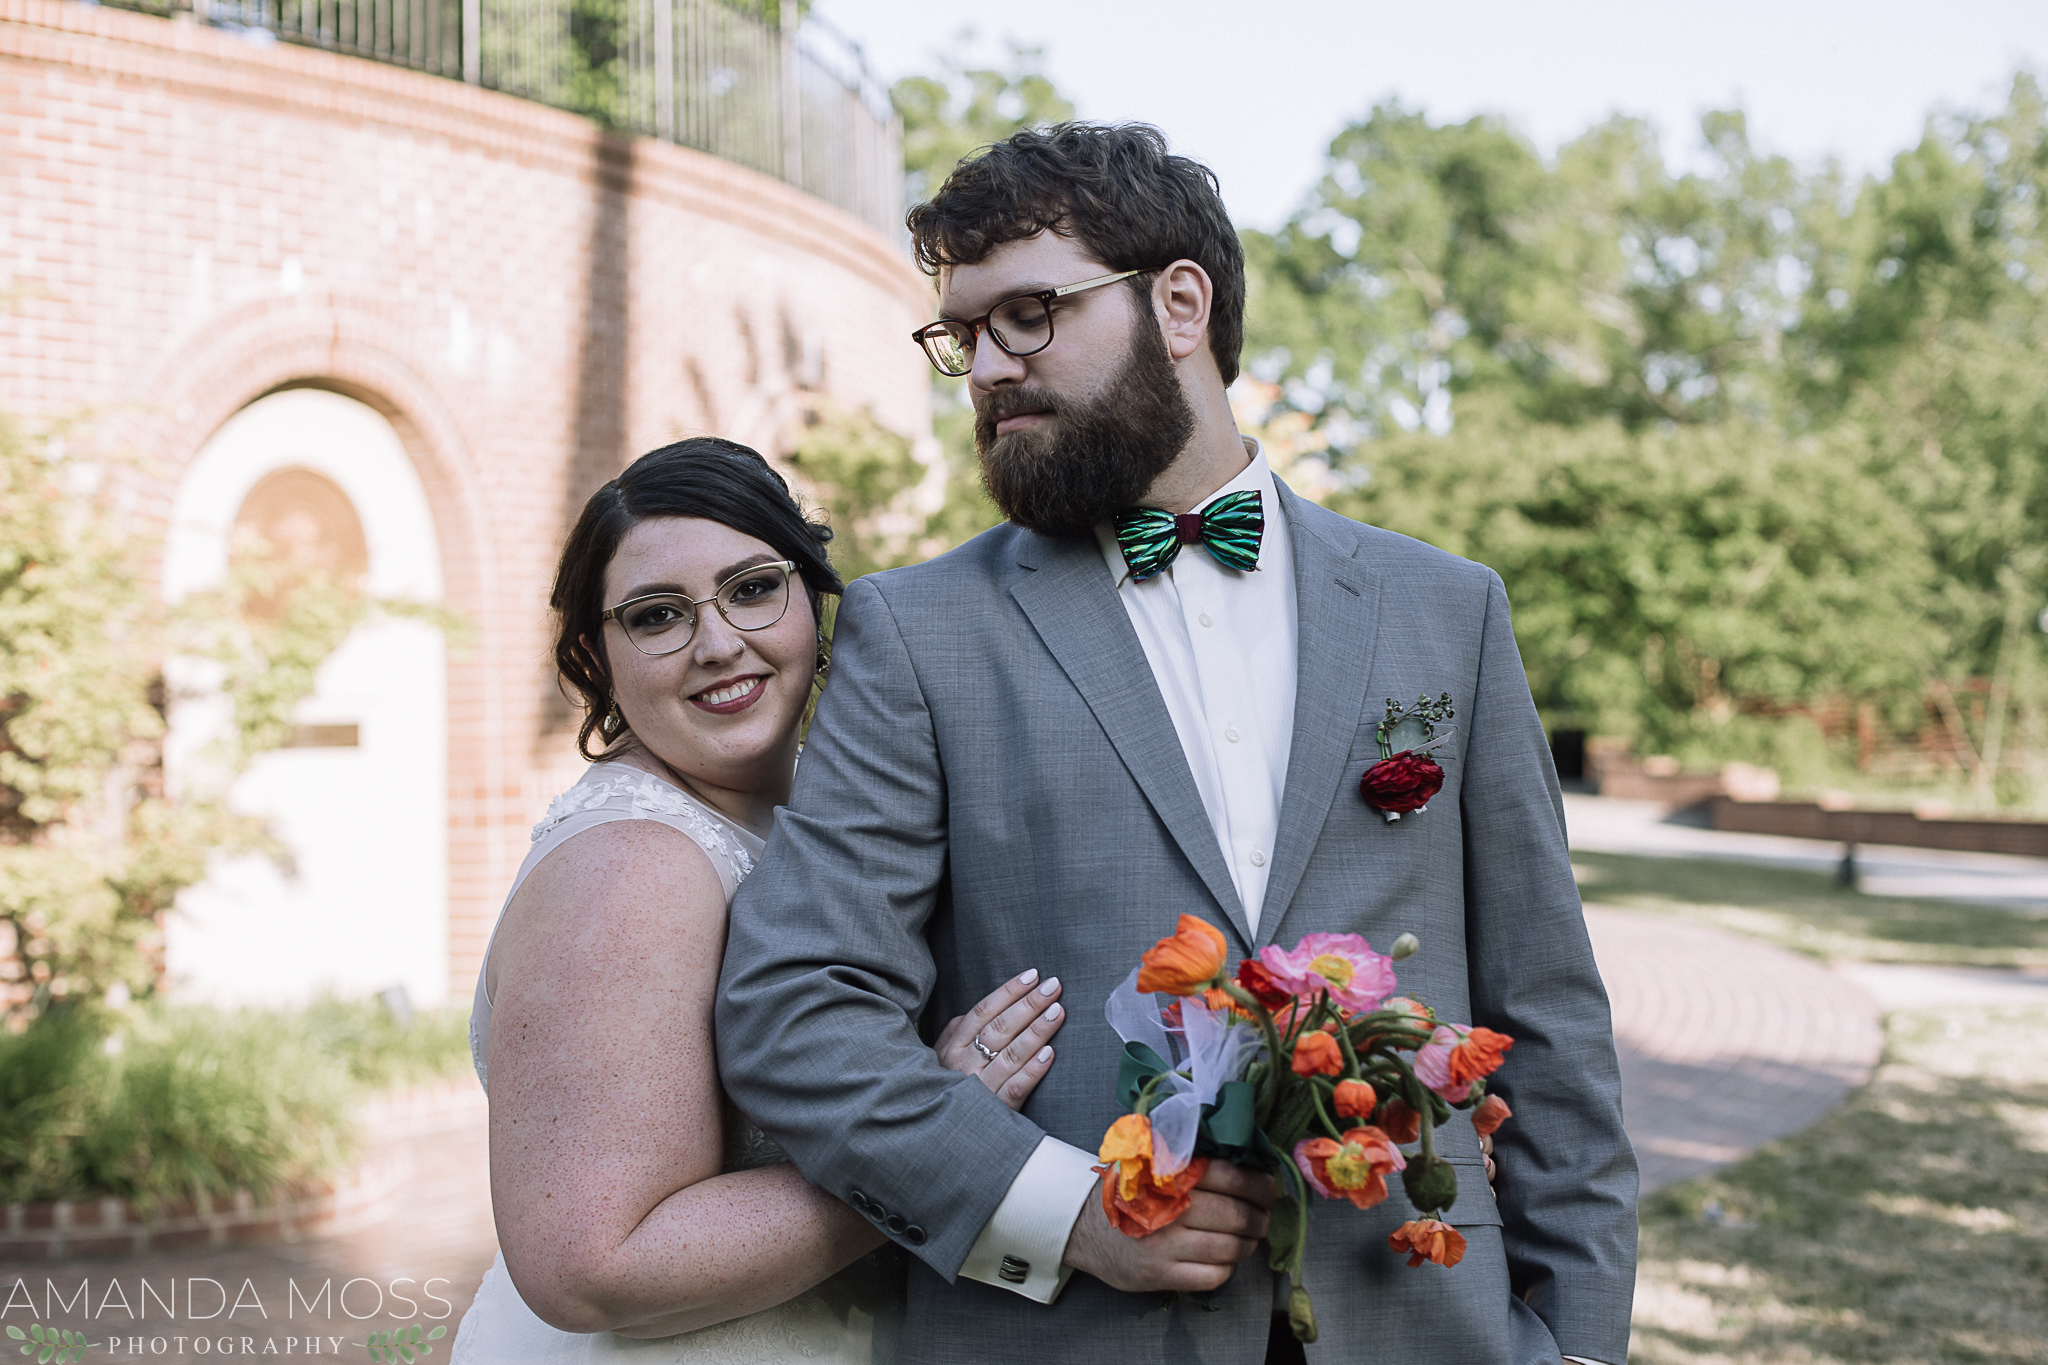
[1024, 1243]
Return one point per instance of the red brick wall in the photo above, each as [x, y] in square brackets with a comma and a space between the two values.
[188, 221]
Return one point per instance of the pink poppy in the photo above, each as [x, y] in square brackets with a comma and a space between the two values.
[1345, 965]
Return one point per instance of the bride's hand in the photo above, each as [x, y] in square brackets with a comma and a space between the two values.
[1014, 1023]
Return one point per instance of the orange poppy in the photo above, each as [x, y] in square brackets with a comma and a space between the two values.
[1427, 1239]
[1491, 1113]
[1356, 1168]
[1356, 1100]
[1187, 963]
[1401, 1123]
[1316, 1054]
[1138, 1200]
[1478, 1054]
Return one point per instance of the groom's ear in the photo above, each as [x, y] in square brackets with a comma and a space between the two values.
[1181, 298]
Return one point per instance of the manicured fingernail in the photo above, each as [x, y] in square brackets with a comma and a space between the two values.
[1044, 1055]
[1028, 977]
[1054, 1012]
[1052, 984]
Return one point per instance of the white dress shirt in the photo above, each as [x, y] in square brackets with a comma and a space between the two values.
[1222, 644]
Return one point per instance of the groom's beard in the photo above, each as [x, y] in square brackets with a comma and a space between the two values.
[1087, 459]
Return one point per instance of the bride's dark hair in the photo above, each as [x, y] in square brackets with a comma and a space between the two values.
[706, 477]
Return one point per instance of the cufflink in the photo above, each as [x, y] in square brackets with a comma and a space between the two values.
[1014, 1271]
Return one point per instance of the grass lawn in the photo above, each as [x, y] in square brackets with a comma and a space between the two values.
[1911, 1225]
[1808, 912]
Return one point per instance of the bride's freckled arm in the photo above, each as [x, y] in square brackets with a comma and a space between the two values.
[606, 1138]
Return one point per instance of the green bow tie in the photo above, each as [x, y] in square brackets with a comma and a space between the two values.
[1230, 527]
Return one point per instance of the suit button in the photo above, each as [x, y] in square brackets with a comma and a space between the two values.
[914, 1235]
[858, 1200]
[894, 1222]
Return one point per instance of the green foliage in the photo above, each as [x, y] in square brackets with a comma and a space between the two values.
[861, 473]
[1741, 440]
[51, 1343]
[403, 1343]
[1666, 583]
[949, 116]
[93, 849]
[160, 1103]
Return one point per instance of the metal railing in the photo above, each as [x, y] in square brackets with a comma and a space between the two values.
[796, 101]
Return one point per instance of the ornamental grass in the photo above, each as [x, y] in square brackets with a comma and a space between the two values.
[157, 1103]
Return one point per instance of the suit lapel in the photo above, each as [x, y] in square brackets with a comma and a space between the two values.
[1074, 608]
[1337, 605]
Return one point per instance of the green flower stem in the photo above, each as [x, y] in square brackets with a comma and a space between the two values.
[1300, 1253]
[1330, 1127]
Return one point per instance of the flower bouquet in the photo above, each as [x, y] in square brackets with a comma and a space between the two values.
[1304, 1063]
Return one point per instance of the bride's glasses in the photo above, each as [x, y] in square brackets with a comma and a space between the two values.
[663, 622]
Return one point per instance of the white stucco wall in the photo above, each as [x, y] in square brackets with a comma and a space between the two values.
[364, 904]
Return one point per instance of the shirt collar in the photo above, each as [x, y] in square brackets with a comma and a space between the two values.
[1256, 476]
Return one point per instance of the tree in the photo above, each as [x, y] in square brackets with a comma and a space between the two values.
[93, 849]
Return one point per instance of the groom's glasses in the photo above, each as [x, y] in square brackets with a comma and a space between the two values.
[663, 622]
[1021, 326]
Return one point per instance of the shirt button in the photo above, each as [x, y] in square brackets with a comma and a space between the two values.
[1204, 619]
[1258, 858]
[1231, 734]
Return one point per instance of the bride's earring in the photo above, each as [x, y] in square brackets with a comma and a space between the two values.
[824, 655]
[613, 722]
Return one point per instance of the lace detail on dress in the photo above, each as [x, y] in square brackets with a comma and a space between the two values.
[650, 796]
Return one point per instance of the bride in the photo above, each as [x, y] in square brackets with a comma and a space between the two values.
[639, 1213]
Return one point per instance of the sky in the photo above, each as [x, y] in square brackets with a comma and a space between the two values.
[1258, 90]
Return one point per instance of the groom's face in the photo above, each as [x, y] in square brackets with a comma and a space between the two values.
[1078, 431]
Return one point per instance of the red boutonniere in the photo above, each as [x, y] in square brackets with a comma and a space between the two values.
[1403, 783]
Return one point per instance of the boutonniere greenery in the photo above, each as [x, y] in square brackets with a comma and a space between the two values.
[1402, 783]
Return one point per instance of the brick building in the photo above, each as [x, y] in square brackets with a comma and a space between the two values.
[407, 323]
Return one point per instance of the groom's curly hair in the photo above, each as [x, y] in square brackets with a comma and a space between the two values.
[708, 477]
[1116, 190]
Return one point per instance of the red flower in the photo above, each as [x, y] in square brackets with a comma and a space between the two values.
[1260, 985]
[1316, 1054]
[1491, 1113]
[1426, 1239]
[1355, 1100]
[1402, 783]
[1401, 1123]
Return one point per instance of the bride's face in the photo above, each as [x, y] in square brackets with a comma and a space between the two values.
[723, 709]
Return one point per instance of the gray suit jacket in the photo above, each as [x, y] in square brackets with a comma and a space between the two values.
[993, 783]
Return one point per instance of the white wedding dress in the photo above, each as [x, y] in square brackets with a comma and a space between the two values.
[850, 1319]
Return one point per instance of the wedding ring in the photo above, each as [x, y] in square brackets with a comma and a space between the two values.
[982, 1048]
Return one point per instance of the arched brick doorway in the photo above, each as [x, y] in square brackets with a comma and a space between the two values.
[359, 798]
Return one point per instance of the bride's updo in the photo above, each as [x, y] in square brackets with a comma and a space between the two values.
[706, 477]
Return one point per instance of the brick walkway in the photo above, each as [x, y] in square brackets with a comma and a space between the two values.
[1725, 1043]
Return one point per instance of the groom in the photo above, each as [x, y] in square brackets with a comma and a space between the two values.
[1039, 749]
